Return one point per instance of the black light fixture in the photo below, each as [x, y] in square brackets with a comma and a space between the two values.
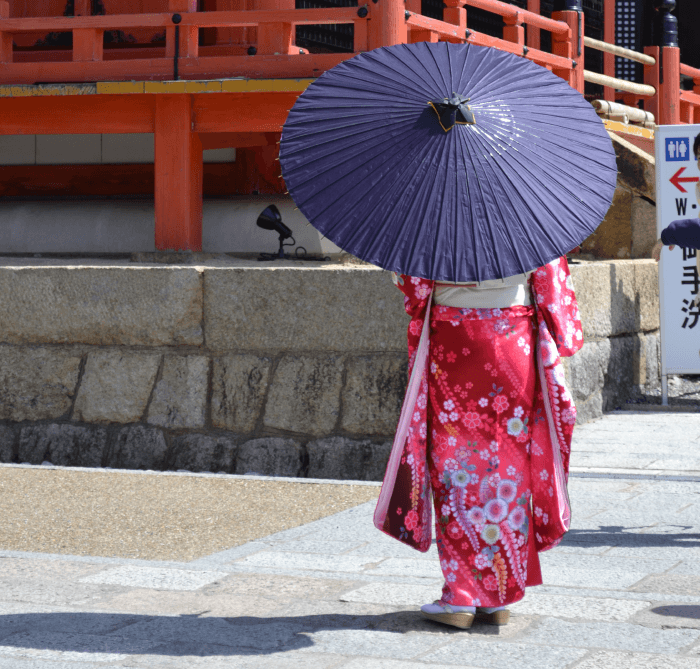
[271, 219]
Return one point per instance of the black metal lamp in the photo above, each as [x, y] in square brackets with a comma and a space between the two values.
[271, 219]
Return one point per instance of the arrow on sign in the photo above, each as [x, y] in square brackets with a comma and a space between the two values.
[676, 180]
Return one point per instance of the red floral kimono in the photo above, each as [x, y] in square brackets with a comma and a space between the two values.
[487, 423]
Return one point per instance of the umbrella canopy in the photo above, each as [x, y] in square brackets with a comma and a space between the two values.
[448, 161]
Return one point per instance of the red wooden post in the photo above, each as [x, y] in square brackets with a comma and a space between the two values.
[670, 93]
[651, 78]
[533, 34]
[5, 38]
[387, 24]
[570, 46]
[178, 175]
[687, 112]
[414, 6]
[360, 37]
[82, 8]
[275, 38]
[455, 13]
[609, 37]
[513, 31]
[189, 35]
[87, 44]
[422, 36]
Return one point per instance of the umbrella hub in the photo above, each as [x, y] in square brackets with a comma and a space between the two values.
[454, 110]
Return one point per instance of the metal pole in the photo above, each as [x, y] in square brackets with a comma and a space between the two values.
[176, 20]
[664, 390]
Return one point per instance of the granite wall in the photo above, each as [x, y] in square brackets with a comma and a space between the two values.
[288, 369]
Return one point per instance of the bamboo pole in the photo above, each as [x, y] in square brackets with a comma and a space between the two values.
[618, 51]
[619, 84]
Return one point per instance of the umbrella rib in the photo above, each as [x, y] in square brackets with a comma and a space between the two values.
[427, 89]
[486, 167]
[549, 162]
[486, 213]
[350, 74]
[287, 152]
[300, 184]
[357, 183]
[500, 165]
[329, 130]
[439, 219]
[427, 92]
[536, 178]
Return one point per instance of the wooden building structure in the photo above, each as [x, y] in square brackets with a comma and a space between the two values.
[205, 74]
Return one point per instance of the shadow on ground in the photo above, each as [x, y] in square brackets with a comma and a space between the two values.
[109, 634]
[612, 535]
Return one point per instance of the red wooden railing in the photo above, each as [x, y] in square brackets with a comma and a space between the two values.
[269, 36]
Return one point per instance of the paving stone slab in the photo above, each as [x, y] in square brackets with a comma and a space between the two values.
[490, 654]
[388, 593]
[402, 567]
[321, 547]
[670, 615]
[384, 663]
[615, 660]
[212, 656]
[21, 663]
[584, 578]
[669, 584]
[157, 579]
[617, 636]
[73, 647]
[578, 608]
[371, 643]
[306, 561]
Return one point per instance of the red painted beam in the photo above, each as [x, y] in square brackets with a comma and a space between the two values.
[212, 113]
[242, 112]
[217, 67]
[237, 140]
[76, 114]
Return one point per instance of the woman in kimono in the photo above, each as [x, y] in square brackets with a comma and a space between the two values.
[486, 424]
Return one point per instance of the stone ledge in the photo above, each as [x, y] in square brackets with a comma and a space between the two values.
[100, 305]
[238, 305]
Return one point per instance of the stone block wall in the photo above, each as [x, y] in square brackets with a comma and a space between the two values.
[285, 369]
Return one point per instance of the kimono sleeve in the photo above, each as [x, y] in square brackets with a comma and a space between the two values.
[416, 292]
[553, 292]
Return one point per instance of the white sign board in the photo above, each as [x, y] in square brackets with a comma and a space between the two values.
[677, 196]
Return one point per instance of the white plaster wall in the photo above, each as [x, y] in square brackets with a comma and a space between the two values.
[123, 226]
[88, 149]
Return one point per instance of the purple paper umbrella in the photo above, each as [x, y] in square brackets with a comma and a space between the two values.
[447, 161]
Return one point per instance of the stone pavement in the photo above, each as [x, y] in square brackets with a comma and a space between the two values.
[621, 592]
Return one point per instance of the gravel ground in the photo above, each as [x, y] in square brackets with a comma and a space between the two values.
[155, 517]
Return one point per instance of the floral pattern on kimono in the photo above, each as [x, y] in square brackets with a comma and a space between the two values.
[489, 430]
